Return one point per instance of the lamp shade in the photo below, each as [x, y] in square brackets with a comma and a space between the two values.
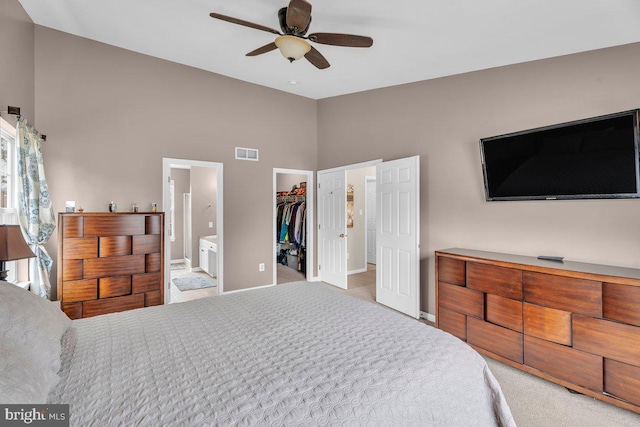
[12, 244]
[292, 47]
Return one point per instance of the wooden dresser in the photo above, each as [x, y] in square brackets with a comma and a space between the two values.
[572, 323]
[109, 262]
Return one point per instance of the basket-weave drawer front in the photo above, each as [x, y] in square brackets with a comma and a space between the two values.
[564, 293]
[501, 281]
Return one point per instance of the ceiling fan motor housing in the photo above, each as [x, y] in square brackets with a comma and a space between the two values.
[282, 18]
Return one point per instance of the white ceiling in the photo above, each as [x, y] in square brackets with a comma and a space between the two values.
[413, 39]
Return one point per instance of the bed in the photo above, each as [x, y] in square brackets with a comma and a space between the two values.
[295, 354]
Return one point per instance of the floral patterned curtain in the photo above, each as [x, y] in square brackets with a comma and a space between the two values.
[35, 212]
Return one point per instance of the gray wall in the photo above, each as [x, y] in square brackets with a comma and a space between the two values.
[442, 120]
[203, 207]
[16, 61]
[181, 183]
[111, 115]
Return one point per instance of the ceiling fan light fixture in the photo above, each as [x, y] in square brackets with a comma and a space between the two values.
[292, 47]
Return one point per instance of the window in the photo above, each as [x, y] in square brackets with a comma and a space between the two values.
[7, 142]
[8, 193]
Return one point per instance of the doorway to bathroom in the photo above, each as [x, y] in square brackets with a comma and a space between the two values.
[192, 201]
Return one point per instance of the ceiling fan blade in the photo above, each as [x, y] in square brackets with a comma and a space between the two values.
[298, 15]
[317, 59]
[245, 23]
[347, 40]
[264, 49]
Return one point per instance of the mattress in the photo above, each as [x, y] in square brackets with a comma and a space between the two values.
[295, 354]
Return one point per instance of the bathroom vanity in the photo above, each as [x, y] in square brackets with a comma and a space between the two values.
[209, 255]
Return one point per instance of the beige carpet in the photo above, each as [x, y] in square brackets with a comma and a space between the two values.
[534, 402]
[287, 274]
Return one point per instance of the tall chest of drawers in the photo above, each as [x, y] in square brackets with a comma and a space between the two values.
[572, 323]
[109, 262]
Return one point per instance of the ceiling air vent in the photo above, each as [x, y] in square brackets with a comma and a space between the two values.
[246, 154]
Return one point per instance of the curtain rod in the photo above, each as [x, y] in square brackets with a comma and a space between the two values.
[15, 111]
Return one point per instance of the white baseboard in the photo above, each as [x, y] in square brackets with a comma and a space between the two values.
[360, 270]
[428, 316]
[248, 289]
[314, 279]
[177, 261]
[197, 269]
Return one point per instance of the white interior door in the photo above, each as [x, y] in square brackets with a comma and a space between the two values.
[332, 235]
[398, 235]
[370, 212]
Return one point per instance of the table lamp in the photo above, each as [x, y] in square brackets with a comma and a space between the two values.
[12, 247]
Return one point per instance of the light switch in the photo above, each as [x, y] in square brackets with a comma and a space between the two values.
[211, 224]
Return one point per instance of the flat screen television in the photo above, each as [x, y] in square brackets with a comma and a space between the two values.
[595, 158]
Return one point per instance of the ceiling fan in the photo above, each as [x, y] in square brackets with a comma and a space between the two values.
[292, 41]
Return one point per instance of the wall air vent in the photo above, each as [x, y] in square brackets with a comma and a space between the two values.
[246, 154]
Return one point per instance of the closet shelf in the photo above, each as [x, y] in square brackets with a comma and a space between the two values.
[293, 198]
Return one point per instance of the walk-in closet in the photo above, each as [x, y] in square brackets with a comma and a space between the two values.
[291, 227]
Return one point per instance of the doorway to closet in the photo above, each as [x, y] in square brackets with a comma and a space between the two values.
[192, 201]
[293, 207]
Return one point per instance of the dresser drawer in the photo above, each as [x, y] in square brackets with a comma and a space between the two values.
[112, 305]
[461, 299]
[152, 263]
[451, 271]
[496, 339]
[145, 282]
[504, 282]
[564, 293]
[547, 323]
[609, 339]
[72, 310]
[114, 286]
[622, 380]
[114, 225]
[563, 362]
[146, 244]
[72, 269]
[504, 312]
[80, 290]
[115, 246]
[152, 298]
[72, 226]
[80, 248]
[153, 224]
[621, 302]
[453, 322]
[113, 266]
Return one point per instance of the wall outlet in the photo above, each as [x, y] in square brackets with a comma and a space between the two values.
[261, 266]
[210, 224]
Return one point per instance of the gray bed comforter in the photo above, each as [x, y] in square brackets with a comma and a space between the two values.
[296, 354]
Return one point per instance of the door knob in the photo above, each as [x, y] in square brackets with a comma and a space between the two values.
[342, 235]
